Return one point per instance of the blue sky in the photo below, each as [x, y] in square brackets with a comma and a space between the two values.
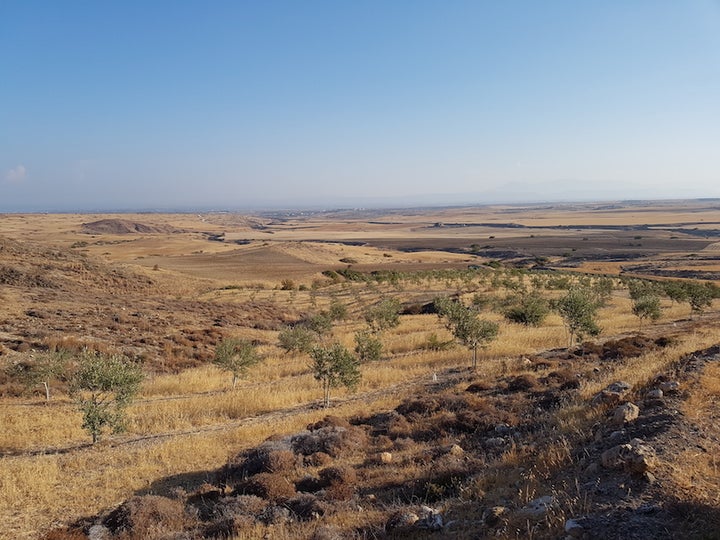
[238, 104]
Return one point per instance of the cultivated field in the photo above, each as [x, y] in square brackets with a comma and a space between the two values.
[423, 441]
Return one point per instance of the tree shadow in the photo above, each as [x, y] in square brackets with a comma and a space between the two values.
[188, 482]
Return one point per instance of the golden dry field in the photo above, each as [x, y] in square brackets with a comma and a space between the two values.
[165, 289]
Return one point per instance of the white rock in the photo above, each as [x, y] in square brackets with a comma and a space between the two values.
[573, 528]
[625, 413]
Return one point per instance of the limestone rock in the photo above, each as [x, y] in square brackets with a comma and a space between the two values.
[612, 394]
[432, 519]
[386, 457]
[636, 457]
[574, 529]
[625, 413]
[495, 442]
[401, 520]
[538, 508]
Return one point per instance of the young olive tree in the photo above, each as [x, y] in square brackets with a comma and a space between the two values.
[466, 326]
[368, 346]
[236, 356]
[646, 307]
[383, 316]
[103, 386]
[578, 310]
[699, 296]
[297, 338]
[333, 366]
[379, 318]
[528, 309]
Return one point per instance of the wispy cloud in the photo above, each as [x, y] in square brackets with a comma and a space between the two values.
[16, 174]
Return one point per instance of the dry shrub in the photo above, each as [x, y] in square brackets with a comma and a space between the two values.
[242, 505]
[564, 378]
[318, 459]
[270, 486]
[420, 407]
[522, 383]
[307, 507]
[270, 457]
[339, 482]
[334, 441]
[148, 516]
[232, 514]
[628, 347]
[308, 484]
[478, 387]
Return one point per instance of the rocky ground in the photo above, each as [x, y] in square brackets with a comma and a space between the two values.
[465, 458]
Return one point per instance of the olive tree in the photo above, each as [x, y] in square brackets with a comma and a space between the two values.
[103, 386]
[466, 326]
[384, 315]
[368, 346]
[334, 366]
[297, 338]
[646, 307]
[236, 356]
[528, 309]
[578, 309]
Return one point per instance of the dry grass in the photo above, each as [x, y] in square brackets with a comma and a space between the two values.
[190, 421]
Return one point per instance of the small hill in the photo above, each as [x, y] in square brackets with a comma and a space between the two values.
[123, 226]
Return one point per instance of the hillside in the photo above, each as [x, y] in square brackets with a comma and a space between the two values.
[422, 446]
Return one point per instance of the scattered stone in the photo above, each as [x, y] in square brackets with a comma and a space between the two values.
[386, 457]
[636, 457]
[615, 435]
[455, 450]
[670, 387]
[574, 528]
[655, 393]
[592, 469]
[432, 519]
[495, 442]
[99, 532]
[612, 394]
[492, 516]
[502, 429]
[625, 413]
[401, 520]
[538, 508]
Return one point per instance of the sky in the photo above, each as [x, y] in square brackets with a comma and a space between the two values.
[214, 104]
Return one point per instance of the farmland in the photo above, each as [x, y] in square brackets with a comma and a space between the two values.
[474, 446]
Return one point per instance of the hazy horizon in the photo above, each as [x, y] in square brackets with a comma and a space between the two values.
[270, 105]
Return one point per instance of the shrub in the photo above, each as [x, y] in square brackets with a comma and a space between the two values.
[274, 487]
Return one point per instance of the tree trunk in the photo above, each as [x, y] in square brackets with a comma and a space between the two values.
[474, 363]
[47, 390]
[234, 381]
